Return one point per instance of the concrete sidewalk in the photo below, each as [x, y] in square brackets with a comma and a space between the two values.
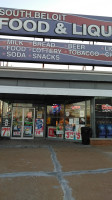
[54, 170]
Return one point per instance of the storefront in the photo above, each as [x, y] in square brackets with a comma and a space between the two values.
[56, 121]
[53, 103]
[56, 105]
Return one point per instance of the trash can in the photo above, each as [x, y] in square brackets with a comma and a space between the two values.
[86, 133]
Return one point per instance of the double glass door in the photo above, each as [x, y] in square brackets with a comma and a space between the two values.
[23, 122]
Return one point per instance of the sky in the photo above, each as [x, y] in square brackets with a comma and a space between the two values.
[86, 7]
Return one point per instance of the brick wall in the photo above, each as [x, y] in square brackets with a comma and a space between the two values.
[99, 141]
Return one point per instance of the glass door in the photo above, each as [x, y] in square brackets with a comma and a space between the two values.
[28, 129]
[23, 122]
[17, 118]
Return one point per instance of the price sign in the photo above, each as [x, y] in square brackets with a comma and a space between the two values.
[5, 132]
[38, 133]
[39, 127]
[52, 132]
[78, 136]
[69, 135]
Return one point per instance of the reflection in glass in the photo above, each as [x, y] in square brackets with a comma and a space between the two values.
[75, 119]
[55, 121]
[103, 113]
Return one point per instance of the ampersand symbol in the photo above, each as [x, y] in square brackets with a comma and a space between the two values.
[60, 29]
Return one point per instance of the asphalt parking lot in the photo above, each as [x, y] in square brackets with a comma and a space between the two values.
[54, 170]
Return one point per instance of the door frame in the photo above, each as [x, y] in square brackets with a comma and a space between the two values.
[22, 135]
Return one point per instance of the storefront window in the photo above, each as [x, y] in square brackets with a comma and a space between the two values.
[55, 110]
[74, 120]
[62, 121]
[66, 123]
[103, 113]
[6, 119]
[88, 114]
[39, 121]
[1, 103]
[55, 121]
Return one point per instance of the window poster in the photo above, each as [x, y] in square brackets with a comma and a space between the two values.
[81, 120]
[68, 127]
[69, 131]
[5, 132]
[67, 114]
[81, 113]
[76, 120]
[6, 122]
[28, 130]
[71, 121]
[78, 132]
[39, 114]
[59, 128]
[17, 133]
[39, 127]
[59, 132]
[17, 129]
[52, 131]
[69, 135]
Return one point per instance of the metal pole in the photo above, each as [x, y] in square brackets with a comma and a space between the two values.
[43, 63]
[93, 65]
[93, 117]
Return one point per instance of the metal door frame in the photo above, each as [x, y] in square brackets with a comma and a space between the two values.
[22, 136]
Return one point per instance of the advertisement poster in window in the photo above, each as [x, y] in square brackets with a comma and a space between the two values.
[69, 131]
[81, 120]
[81, 113]
[69, 135]
[39, 127]
[39, 114]
[52, 131]
[28, 130]
[16, 133]
[78, 132]
[6, 123]
[76, 120]
[17, 130]
[59, 128]
[5, 132]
